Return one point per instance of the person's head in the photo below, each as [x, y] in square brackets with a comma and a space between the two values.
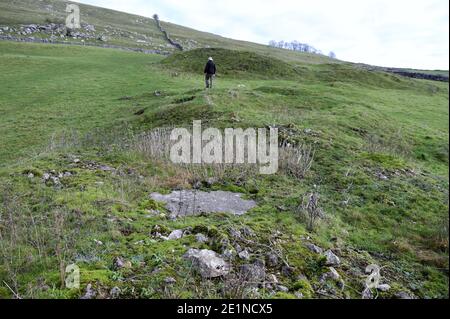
[210, 59]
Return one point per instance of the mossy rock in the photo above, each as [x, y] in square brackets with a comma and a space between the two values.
[304, 287]
[284, 295]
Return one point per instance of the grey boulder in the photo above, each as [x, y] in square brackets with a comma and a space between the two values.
[207, 263]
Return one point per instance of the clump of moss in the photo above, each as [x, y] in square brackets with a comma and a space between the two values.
[304, 287]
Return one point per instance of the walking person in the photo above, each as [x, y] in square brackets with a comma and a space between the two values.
[210, 72]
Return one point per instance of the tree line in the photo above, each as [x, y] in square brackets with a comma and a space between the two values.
[300, 47]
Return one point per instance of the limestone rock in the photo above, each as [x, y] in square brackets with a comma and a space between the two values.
[207, 263]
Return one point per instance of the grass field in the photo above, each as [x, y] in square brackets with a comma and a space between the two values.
[381, 169]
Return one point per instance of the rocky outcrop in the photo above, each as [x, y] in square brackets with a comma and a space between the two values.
[166, 35]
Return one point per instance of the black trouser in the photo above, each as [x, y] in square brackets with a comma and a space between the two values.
[209, 80]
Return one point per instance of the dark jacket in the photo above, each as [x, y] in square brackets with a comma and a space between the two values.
[210, 68]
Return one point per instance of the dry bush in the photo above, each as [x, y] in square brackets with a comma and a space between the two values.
[297, 160]
[311, 209]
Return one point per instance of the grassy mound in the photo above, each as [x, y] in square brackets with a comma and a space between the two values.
[232, 63]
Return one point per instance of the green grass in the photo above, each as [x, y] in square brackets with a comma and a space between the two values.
[360, 123]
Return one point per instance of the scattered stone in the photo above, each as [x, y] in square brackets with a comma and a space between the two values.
[247, 232]
[253, 273]
[381, 176]
[236, 234]
[115, 292]
[315, 249]
[175, 235]
[299, 295]
[105, 168]
[272, 279]
[211, 181]
[30, 175]
[208, 263]
[229, 254]
[384, 288]
[89, 28]
[191, 203]
[200, 238]
[331, 259]
[90, 293]
[98, 242]
[333, 274]
[244, 255]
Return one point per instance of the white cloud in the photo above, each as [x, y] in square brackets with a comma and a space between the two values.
[400, 33]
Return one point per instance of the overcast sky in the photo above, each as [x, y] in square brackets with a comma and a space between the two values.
[395, 33]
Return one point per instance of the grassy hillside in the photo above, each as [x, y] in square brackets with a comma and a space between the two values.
[380, 169]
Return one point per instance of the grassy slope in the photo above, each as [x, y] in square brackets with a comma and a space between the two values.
[364, 124]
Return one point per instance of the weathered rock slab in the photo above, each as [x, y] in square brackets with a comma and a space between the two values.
[207, 263]
[191, 203]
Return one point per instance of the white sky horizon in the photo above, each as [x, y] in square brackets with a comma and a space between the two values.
[401, 33]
